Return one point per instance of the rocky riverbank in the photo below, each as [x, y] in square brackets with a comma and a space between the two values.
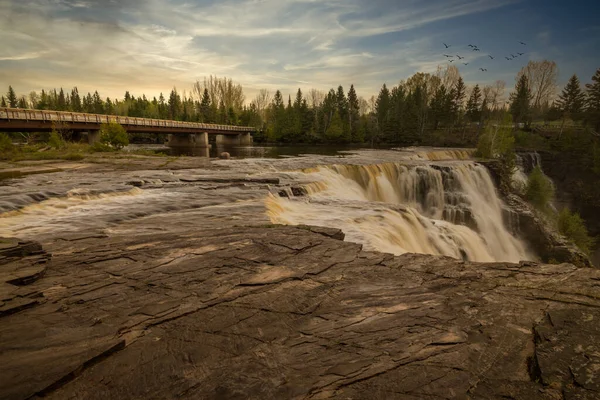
[171, 283]
[291, 312]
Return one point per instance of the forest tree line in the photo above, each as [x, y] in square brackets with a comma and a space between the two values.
[403, 114]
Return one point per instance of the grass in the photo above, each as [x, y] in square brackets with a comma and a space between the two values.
[60, 150]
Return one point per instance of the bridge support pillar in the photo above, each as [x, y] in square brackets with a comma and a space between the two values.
[227, 140]
[188, 140]
[93, 136]
[245, 139]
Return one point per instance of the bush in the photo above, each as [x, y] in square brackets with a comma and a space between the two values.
[6, 144]
[571, 225]
[114, 135]
[100, 147]
[540, 190]
[55, 141]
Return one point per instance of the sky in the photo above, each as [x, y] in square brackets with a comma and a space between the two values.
[150, 46]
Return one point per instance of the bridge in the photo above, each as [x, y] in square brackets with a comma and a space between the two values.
[180, 133]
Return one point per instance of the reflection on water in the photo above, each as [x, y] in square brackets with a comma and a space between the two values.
[244, 151]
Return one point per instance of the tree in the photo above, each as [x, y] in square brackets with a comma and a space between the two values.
[593, 101]
[571, 100]
[11, 97]
[520, 102]
[3, 102]
[205, 110]
[382, 110]
[353, 114]
[473, 111]
[336, 128]
[460, 91]
[539, 191]
[61, 104]
[541, 77]
[22, 103]
[114, 135]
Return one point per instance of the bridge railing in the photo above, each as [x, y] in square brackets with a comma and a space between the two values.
[22, 114]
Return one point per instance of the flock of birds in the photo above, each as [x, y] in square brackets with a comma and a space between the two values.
[473, 47]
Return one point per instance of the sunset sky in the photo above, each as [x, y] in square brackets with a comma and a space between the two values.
[150, 46]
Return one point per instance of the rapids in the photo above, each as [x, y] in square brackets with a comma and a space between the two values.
[451, 210]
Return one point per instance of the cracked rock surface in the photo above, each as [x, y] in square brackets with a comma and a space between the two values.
[276, 312]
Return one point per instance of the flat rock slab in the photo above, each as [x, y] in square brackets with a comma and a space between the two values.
[277, 312]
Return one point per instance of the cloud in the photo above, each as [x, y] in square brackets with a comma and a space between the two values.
[149, 46]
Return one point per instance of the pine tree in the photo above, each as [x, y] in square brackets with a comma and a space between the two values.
[75, 100]
[520, 106]
[11, 97]
[174, 104]
[460, 91]
[572, 100]
[205, 110]
[473, 105]
[353, 115]
[593, 101]
[382, 110]
[336, 128]
[22, 103]
[279, 116]
[3, 103]
[61, 104]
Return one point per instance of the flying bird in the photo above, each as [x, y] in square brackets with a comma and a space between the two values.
[475, 49]
[482, 69]
[508, 58]
[466, 63]
[522, 43]
[472, 45]
[446, 45]
[490, 57]
[446, 55]
[459, 57]
[512, 55]
[520, 54]
[451, 60]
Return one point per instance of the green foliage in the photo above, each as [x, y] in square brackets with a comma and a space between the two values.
[530, 141]
[6, 144]
[497, 141]
[539, 190]
[335, 129]
[520, 106]
[56, 141]
[100, 147]
[571, 100]
[572, 226]
[113, 135]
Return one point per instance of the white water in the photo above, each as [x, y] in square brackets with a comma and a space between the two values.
[452, 210]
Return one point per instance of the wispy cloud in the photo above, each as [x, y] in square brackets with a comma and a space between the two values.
[151, 45]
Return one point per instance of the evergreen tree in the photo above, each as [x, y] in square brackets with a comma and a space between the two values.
[3, 103]
[174, 105]
[61, 104]
[75, 100]
[460, 91]
[382, 110]
[593, 101]
[473, 112]
[520, 106]
[572, 100]
[11, 97]
[353, 115]
[205, 110]
[336, 128]
[22, 103]
[279, 116]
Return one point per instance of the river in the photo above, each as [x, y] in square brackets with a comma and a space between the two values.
[421, 200]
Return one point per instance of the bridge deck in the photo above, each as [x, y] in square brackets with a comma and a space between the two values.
[18, 119]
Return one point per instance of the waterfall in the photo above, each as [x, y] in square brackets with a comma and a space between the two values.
[451, 210]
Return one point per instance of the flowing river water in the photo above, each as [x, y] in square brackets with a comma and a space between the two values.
[433, 201]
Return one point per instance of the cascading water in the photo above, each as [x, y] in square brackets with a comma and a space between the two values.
[451, 210]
